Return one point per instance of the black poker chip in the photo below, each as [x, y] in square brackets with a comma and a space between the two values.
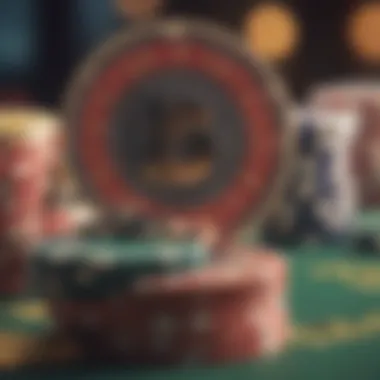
[226, 148]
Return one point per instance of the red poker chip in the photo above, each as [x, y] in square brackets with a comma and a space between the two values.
[215, 329]
[109, 86]
[233, 311]
[244, 269]
[25, 164]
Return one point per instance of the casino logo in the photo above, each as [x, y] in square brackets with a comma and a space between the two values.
[182, 151]
[176, 118]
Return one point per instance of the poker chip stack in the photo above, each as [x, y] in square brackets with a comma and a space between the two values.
[322, 197]
[349, 119]
[167, 303]
[29, 142]
[337, 200]
[28, 152]
[31, 155]
[160, 301]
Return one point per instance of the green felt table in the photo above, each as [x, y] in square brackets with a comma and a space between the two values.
[335, 300]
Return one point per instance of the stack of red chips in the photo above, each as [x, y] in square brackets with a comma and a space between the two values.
[29, 152]
[233, 310]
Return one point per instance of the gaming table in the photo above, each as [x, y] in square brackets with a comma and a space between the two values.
[335, 300]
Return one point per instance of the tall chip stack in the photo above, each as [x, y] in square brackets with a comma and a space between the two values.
[337, 198]
[31, 155]
[174, 123]
[29, 150]
[352, 144]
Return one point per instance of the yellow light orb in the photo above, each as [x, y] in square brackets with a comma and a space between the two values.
[272, 31]
[364, 32]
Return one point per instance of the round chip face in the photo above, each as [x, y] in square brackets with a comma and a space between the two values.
[175, 119]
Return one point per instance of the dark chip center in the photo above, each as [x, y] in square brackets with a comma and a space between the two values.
[180, 149]
[178, 137]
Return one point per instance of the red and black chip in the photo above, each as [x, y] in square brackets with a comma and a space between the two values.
[177, 119]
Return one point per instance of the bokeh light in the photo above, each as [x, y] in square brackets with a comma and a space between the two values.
[364, 32]
[272, 31]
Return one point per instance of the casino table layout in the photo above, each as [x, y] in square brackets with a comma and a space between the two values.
[335, 300]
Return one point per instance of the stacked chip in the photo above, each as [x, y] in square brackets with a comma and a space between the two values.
[151, 300]
[353, 144]
[326, 195]
[167, 303]
[30, 158]
[29, 141]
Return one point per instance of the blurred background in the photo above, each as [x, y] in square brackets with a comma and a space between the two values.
[309, 41]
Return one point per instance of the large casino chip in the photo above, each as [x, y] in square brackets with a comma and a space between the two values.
[176, 118]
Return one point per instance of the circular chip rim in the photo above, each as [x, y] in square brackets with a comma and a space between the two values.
[277, 97]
